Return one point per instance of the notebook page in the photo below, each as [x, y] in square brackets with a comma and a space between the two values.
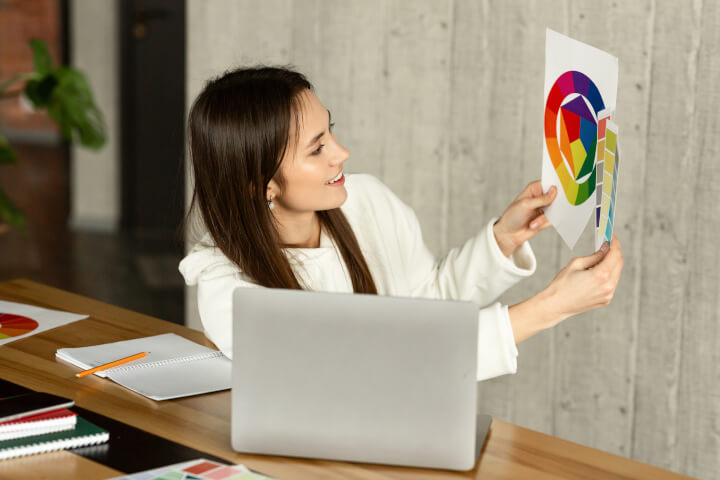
[159, 347]
[173, 380]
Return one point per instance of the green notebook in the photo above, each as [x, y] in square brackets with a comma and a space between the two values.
[84, 433]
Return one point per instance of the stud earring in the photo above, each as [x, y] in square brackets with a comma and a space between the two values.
[271, 205]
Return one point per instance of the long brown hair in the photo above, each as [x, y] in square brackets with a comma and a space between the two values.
[239, 130]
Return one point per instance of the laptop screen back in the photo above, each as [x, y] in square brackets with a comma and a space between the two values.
[354, 377]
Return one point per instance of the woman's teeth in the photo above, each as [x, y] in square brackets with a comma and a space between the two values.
[339, 175]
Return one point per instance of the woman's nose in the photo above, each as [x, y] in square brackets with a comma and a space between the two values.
[341, 155]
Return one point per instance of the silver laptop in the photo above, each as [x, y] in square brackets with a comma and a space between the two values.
[353, 377]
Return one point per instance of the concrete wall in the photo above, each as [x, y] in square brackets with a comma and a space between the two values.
[442, 99]
[95, 175]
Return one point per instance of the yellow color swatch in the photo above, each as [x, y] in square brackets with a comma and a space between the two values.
[605, 204]
[611, 138]
[609, 162]
[607, 184]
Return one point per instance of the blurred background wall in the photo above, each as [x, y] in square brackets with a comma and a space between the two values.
[442, 100]
[100, 223]
[94, 45]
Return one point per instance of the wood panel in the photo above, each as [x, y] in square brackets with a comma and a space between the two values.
[631, 38]
[667, 227]
[231, 37]
[698, 397]
[417, 108]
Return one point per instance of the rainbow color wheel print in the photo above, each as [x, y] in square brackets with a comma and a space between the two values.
[15, 325]
[571, 131]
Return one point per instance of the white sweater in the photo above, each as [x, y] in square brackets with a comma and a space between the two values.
[389, 236]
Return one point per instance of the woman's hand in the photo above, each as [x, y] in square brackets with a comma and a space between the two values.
[524, 218]
[584, 284]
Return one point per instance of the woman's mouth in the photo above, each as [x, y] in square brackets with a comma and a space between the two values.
[337, 181]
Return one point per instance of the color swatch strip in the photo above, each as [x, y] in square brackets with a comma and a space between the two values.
[200, 469]
[605, 200]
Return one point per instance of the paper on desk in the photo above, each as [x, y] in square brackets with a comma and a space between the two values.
[200, 469]
[18, 320]
[174, 367]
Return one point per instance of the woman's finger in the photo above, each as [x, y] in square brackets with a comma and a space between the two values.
[540, 222]
[543, 200]
[592, 260]
[546, 224]
[613, 256]
[532, 189]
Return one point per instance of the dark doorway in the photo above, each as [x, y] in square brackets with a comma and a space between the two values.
[153, 111]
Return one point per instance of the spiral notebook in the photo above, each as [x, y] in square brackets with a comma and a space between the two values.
[174, 367]
[84, 434]
[38, 424]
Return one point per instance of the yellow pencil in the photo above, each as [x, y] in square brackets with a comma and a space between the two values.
[111, 364]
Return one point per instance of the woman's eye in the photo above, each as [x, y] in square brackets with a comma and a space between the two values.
[331, 126]
[318, 150]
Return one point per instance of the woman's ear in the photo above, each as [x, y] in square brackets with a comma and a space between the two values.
[273, 190]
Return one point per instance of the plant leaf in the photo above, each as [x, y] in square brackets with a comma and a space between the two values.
[73, 108]
[7, 154]
[41, 56]
[10, 213]
[39, 91]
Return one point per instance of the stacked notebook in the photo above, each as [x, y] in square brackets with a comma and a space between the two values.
[39, 422]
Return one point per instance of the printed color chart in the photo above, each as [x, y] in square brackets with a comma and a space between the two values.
[15, 325]
[19, 320]
[581, 82]
[196, 470]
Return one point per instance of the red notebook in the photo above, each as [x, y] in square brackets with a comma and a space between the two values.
[38, 424]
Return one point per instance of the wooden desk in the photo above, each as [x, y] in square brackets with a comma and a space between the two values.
[203, 422]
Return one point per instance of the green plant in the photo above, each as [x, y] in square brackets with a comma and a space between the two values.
[66, 96]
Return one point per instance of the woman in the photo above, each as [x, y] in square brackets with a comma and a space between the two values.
[279, 212]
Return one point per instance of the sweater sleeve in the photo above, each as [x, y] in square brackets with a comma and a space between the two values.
[215, 306]
[216, 278]
[497, 353]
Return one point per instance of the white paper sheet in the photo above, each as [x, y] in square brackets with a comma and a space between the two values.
[32, 320]
[562, 55]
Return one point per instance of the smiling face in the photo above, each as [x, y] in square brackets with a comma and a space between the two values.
[312, 168]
